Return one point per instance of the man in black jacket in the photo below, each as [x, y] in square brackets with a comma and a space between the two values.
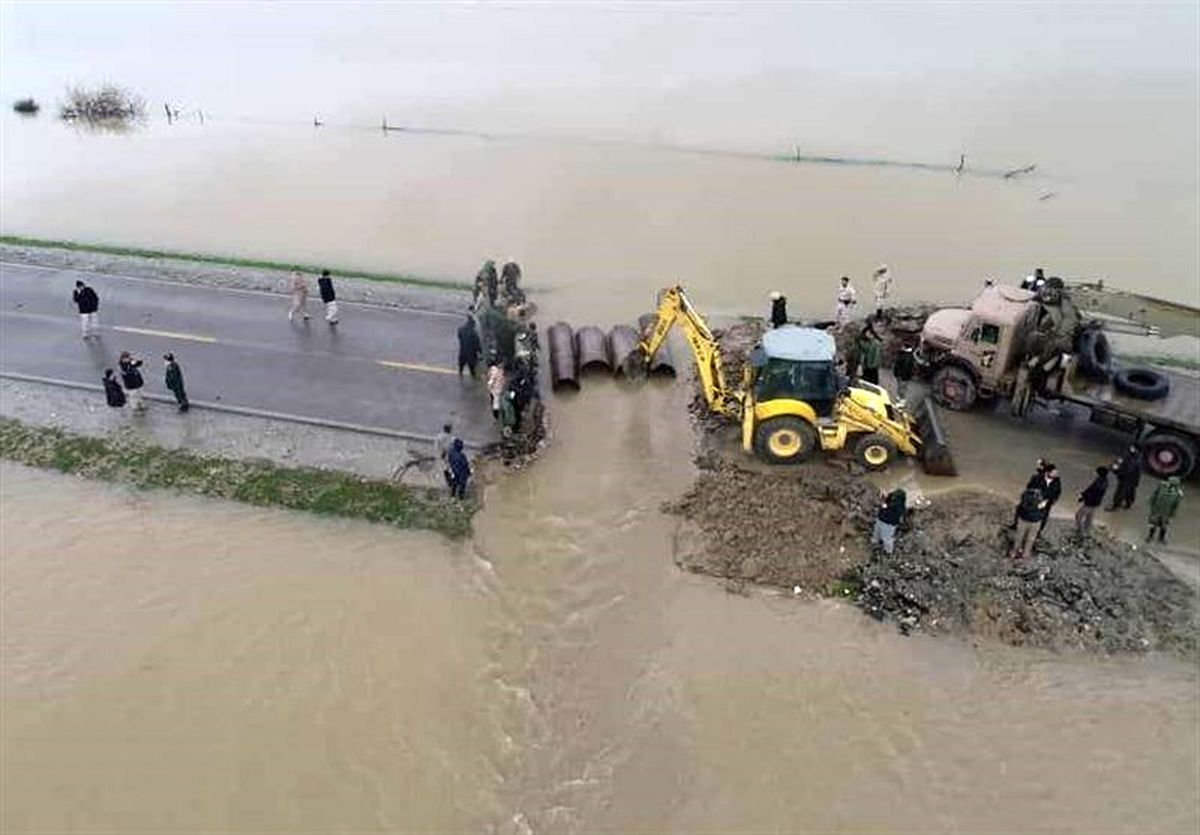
[1034, 483]
[1030, 513]
[1129, 473]
[778, 309]
[903, 369]
[1089, 500]
[469, 347]
[131, 378]
[891, 513]
[174, 381]
[1051, 489]
[88, 303]
[325, 285]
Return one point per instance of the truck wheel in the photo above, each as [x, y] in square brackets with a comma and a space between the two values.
[874, 451]
[954, 388]
[1142, 383]
[1095, 355]
[1166, 454]
[784, 440]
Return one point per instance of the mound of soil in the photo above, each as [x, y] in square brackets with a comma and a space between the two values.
[951, 573]
[810, 527]
[799, 526]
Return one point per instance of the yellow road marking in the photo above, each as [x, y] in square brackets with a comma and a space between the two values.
[168, 334]
[416, 366]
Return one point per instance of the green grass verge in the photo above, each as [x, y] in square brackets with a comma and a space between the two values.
[232, 261]
[255, 482]
[1190, 363]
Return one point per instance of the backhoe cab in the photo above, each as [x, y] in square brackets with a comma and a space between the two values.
[792, 400]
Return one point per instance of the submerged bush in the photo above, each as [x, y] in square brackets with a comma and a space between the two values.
[106, 103]
[26, 107]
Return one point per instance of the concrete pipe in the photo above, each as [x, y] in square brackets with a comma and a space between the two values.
[663, 364]
[623, 348]
[591, 349]
[562, 357]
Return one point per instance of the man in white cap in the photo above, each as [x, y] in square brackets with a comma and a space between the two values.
[778, 309]
[883, 285]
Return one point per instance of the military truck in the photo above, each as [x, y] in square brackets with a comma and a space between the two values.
[1028, 344]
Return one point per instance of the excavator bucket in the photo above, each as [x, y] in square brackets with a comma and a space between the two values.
[935, 449]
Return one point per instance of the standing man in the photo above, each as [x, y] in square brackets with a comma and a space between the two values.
[1030, 512]
[1051, 489]
[883, 286]
[485, 279]
[1033, 483]
[778, 309]
[1129, 474]
[468, 347]
[112, 390]
[299, 296]
[903, 369]
[847, 298]
[328, 297]
[131, 378]
[510, 277]
[495, 385]
[870, 354]
[1163, 504]
[442, 442]
[88, 303]
[890, 515]
[1089, 500]
[460, 469]
[174, 381]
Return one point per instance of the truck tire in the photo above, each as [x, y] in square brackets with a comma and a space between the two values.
[1095, 355]
[954, 388]
[1165, 454]
[1142, 383]
[785, 440]
[874, 451]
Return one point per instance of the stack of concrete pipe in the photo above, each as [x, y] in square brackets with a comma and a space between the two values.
[589, 349]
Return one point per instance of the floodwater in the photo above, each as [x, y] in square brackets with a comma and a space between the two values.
[170, 664]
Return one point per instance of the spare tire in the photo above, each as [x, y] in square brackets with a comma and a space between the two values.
[1142, 383]
[1095, 355]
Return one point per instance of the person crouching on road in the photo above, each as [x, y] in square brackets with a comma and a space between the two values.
[460, 469]
[113, 393]
[1164, 501]
[328, 297]
[890, 515]
[88, 304]
[1089, 502]
[299, 297]
[1030, 512]
[131, 378]
[778, 309]
[469, 347]
[174, 381]
[495, 385]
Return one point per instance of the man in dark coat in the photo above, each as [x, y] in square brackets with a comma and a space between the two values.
[903, 369]
[174, 381]
[888, 518]
[1033, 483]
[469, 347]
[460, 469]
[113, 392]
[486, 283]
[1051, 489]
[1089, 500]
[88, 304]
[1129, 473]
[328, 297]
[778, 309]
[510, 277]
[131, 378]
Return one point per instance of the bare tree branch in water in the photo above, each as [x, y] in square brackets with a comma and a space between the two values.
[105, 103]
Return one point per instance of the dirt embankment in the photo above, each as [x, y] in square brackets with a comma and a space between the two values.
[810, 527]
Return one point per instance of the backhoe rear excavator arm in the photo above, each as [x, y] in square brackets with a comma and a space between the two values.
[674, 307]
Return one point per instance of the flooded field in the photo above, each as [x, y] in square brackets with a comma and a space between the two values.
[172, 665]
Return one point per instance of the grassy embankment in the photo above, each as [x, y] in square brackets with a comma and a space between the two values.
[230, 261]
[255, 482]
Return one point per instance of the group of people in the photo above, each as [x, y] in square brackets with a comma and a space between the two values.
[300, 297]
[845, 300]
[123, 387]
[1044, 489]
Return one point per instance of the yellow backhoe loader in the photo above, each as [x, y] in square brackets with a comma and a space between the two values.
[791, 401]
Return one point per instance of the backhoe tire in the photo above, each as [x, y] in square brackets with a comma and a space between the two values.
[785, 440]
[874, 451]
[954, 388]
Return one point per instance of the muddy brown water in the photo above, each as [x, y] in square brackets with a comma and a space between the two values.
[172, 664]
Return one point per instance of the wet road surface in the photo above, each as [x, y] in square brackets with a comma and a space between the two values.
[379, 367]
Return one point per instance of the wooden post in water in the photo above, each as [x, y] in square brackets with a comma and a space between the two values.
[167, 108]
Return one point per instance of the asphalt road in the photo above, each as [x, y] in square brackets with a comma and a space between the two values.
[380, 367]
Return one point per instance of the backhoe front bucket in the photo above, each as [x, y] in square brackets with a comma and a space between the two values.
[935, 449]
